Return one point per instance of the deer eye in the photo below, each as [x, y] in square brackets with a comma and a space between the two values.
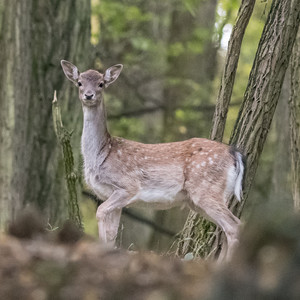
[79, 83]
[101, 84]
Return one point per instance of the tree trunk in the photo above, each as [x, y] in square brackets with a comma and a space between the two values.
[192, 65]
[35, 36]
[228, 77]
[294, 115]
[260, 101]
[15, 63]
[197, 227]
[280, 190]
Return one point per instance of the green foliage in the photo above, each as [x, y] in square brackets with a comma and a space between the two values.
[190, 6]
[176, 49]
[229, 5]
[132, 128]
[119, 20]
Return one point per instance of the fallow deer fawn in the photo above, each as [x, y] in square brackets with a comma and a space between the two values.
[199, 173]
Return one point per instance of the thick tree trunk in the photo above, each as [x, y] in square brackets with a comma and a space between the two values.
[294, 113]
[15, 65]
[35, 35]
[260, 101]
[280, 190]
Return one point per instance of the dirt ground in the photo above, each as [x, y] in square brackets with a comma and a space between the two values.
[36, 265]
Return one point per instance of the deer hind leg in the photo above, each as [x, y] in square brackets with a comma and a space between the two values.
[108, 216]
[218, 212]
[230, 225]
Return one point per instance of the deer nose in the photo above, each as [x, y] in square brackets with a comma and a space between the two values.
[89, 96]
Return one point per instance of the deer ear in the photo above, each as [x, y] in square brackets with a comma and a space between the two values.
[112, 73]
[70, 71]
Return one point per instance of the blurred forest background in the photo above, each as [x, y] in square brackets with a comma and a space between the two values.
[173, 53]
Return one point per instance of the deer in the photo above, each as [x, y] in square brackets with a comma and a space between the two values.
[199, 173]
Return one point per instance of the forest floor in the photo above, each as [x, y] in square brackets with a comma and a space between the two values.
[36, 264]
[39, 269]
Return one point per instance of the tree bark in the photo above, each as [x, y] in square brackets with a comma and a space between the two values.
[279, 193]
[260, 101]
[15, 60]
[196, 228]
[265, 81]
[231, 64]
[294, 116]
[35, 36]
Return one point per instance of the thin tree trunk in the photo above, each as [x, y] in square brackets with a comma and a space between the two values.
[261, 98]
[231, 64]
[197, 227]
[294, 115]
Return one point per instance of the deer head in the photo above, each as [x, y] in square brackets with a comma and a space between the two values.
[91, 83]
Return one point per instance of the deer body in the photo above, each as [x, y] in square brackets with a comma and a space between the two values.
[198, 173]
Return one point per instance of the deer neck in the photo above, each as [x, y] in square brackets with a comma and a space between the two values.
[95, 140]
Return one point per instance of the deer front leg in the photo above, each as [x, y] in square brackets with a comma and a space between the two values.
[108, 216]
